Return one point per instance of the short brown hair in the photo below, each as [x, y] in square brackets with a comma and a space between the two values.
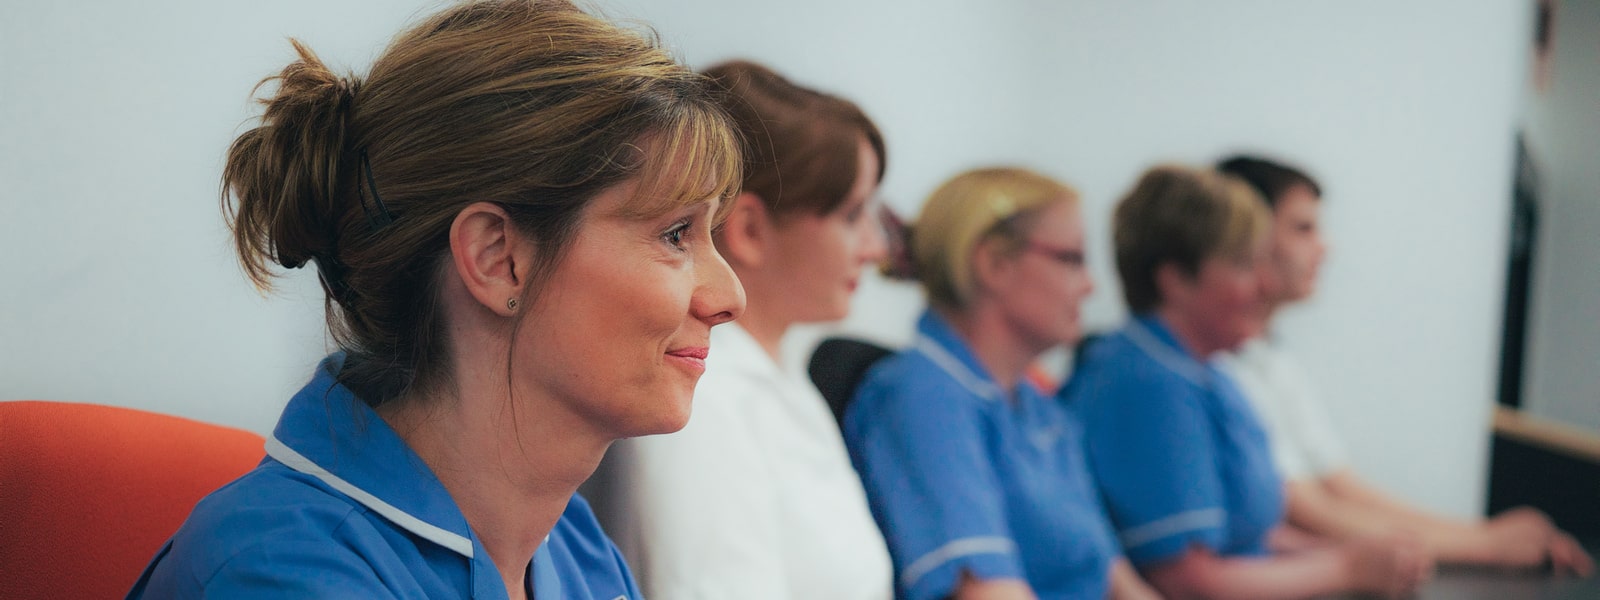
[800, 144]
[1181, 216]
[530, 104]
[1270, 178]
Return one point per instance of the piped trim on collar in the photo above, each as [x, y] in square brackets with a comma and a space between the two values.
[952, 366]
[428, 531]
[1165, 355]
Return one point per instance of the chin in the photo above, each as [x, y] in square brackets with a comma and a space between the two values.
[837, 312]
[674, 415]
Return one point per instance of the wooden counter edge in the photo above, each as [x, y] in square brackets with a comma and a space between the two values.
[1547, 433]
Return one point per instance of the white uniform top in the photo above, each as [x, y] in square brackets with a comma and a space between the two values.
[755, 498]
[1304, 444]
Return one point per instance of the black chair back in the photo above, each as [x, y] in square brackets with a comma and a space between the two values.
[838, 366]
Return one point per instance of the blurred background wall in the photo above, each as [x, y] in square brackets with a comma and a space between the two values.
[118, 284]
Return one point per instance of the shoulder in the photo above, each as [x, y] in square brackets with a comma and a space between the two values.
[274, 523]
[1116, 375]
[909, 378]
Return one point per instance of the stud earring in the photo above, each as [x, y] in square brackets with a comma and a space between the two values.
[511, 304]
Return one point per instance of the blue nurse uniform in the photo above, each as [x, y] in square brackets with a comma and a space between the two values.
[342, 508]
[1177, 452]
[963, 477]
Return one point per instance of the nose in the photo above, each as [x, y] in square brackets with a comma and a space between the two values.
[874, 243]
[718, 296]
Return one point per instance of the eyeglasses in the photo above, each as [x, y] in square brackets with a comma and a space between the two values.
[1066, 256]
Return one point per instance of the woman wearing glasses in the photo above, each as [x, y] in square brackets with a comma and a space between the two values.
[977, 479]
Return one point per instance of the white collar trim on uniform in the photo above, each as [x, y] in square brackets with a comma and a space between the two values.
[1165, 355]
[428, 531]
[953, 367]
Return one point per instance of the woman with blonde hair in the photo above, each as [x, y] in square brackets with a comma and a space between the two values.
[1180, 458]
[977, 478]
[756, 497]
[510, 216]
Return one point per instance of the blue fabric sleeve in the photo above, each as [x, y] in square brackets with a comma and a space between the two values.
[295, 569]
[1154, 458]
[918, 442]
[313, 553]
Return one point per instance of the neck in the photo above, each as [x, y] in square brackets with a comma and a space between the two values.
[1002, 350]
[510, 463]
[1188, 334]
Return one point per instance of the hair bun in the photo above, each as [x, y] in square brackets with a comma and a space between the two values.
[285, 176]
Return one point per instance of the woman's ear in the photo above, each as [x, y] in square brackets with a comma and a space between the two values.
[1172, 283]
[490, 255]
[746, 233]
[992, 265]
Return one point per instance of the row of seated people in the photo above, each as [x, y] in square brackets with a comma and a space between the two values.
[1187, 456]
[536, 231]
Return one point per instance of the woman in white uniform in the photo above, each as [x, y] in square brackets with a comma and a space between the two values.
[757, 498]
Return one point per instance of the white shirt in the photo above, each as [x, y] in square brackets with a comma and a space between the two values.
[755, 498]
[1304, 444]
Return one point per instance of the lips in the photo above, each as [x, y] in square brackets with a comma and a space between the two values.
[695, 352]
[691, 359]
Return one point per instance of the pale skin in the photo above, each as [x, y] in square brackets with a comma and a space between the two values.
[800, 268]
[1024, 304]
[513, 446]
[1340, 505]
[1216, 309]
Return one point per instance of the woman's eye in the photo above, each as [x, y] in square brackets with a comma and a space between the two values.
[674, 236]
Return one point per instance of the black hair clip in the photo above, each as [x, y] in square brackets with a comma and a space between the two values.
[332, 273]
[382, 217]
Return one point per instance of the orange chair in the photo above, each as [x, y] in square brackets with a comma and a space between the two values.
[89, 493]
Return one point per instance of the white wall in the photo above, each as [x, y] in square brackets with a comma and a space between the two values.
[1562, 372]
[119, 286]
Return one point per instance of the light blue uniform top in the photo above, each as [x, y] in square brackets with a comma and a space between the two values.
[342, 508]
[964, 477]
[1178, 453]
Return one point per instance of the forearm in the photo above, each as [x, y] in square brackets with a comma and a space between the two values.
[1201, 575]
[1346, 485]
[971, 588]
[1290, 538]
[1127, 585]
[1449, 540]
[1314, 508]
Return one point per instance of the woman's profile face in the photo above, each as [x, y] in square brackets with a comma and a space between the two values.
[822, 256]
[619, 333]
[1041, 290]
[1225, 302]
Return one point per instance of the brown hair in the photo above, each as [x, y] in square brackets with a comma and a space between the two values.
[531, 104]
[1000, 202]
[1181, 216]
[800, 144]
